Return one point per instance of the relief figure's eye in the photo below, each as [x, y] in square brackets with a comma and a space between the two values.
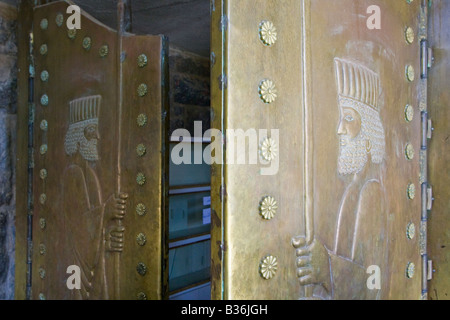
[349, 118]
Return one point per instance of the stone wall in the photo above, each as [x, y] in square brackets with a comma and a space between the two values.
[8, 111]
[189, 90]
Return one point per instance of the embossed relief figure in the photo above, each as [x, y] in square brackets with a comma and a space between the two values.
[360, 238]
[90, 223]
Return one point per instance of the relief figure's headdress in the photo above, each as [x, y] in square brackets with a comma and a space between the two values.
[360, 88]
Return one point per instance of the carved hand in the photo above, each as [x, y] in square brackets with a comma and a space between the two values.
[313, 267]
[115, 208]
[114, 239]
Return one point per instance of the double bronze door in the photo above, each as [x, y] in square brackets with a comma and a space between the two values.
[329, 99]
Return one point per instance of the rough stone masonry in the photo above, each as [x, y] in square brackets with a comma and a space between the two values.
[8, 111]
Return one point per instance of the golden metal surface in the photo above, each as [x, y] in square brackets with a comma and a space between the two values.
[342, 152]
[90, 220]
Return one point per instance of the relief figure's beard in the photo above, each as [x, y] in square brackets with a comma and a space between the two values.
[352, 155]
[88, 149]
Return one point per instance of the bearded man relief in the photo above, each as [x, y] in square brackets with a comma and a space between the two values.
[360, 232]
[90, 222]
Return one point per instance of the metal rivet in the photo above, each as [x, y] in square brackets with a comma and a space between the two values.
[142, 90]
[43, 149]
[44, 24]
[141, 269]
[44, 100]
[268, 267]
[409, 35]
[409, 113]
[141, 239]
[140, 179]
[267, 91]
[142, 60]
[268, 149]
[42, 249]
[42, 223]
[141, 296]
[268, 208]
[43, 49]
[43, 198]
[409, 151]
[43, 174]
[267, 33]
[59, 19]
[411, 191]
[103, 51]
[410, 231]
[141, 150]
[44, 76]
[142, 120]
[87, 42]
[41, 296]
[44, 125]
[410, 73]
[41, 273]
[72, 33]
[410, 270]
[141, 209]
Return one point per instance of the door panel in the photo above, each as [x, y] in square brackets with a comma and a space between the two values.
[346, 197]
[100, 160]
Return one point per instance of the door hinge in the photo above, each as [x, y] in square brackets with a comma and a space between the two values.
[426, 58]
[430, 270]
[430, 198]
[430, 129]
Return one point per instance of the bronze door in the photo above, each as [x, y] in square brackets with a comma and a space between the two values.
[329, 95]
[99, 161]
